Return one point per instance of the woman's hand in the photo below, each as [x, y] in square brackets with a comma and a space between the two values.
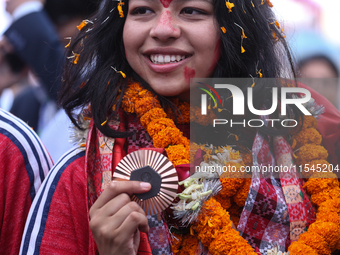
[115, 221]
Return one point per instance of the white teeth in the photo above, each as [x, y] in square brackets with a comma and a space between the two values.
[165, 59]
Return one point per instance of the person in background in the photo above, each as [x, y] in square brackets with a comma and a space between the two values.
[321, 73]
[24, 164]
[37, 36]
[14, 78]
[317, 66]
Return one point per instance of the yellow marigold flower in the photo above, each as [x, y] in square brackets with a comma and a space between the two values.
[332, 205]
[157, 125]
[325, 195]
[166, 137]
[180, 162]
[229, 5]
[309, 122]
[224, 201]
[242, 194]
[176, 242]
[299, 248]
[154, 113]
[316, 242]
[224, 30]
[76, 58]
[69, 43]
[308, 135]
[230, 186]
[277, 24]
[184, 116]
[178, 154]
[242, 49]
[189, 245]
[229, 242]
[144, 105]
[328, 230]
[120, 9]
[310, 152]
[328, 216]
[82, 25]
[204, 120]
[211, 211]
[321, 181]
[269, 3]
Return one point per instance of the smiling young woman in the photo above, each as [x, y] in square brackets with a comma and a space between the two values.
[162, 43]
[129, 72]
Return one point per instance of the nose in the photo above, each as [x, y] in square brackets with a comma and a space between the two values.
[165, 27]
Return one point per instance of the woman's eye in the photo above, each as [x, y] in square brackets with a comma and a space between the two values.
[189, 10]
[141, 10]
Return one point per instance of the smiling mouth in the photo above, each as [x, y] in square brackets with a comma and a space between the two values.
[161, 59]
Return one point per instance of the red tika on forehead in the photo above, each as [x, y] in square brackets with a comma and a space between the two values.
[166, 3]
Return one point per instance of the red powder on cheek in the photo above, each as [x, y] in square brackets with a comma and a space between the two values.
[217, 54]
[189, 73]
[166, 3]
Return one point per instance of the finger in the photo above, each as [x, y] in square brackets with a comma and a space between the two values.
[118, 218]
[116, 188]
[134, 221]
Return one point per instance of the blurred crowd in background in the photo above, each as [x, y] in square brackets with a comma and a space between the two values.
[310, 26]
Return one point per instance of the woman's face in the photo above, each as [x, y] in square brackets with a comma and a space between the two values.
[167, 42]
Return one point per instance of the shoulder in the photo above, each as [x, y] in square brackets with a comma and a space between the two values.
[22, 151]
[60, 202]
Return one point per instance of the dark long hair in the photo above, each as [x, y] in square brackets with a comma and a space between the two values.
[93, 81]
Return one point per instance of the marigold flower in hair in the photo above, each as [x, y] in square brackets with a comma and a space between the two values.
[120, 9]
[229, 5]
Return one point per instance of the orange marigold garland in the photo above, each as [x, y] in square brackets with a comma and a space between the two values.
[215, 232]
[162, 130]
[322, 236]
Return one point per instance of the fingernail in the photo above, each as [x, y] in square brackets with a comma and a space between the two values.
[145, 185]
